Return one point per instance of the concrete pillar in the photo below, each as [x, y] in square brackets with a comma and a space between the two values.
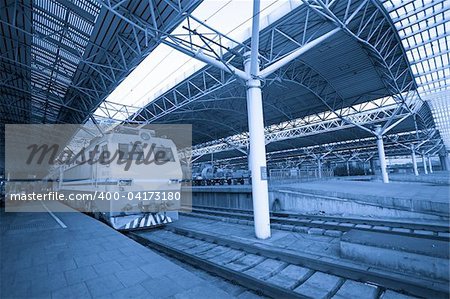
[348, 168]
[430, 164]
[381, 154]
[424, 162]
[319, 167]
[443, 161]
[257, 156]
[414, 160]
[372, 165]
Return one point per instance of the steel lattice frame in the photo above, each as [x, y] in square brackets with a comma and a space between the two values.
[369, 28]
[311, 125]
[80, 73]
[361, 149]
[61, 59]
[381, 44]
[366, 22]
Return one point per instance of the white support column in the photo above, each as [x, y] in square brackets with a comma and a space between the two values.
[381, 154]
[424, 163]
[260, 192]
[319, 167]
[372, 165]
[414, 160]
[257, 158]
[444, 161]
[430, 164]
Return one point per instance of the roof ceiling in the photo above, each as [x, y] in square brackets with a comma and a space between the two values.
[60, 59]
[338, 73]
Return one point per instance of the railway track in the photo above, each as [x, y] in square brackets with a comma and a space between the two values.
[327, 225]
[282, 274]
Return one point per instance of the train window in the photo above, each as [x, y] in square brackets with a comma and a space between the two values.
[168, 156]
[137, 153]
[92, 155]
[123, 151]
[131, 151]
[104, 155]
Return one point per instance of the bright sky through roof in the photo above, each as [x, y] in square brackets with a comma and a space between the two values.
[425, 32]
[165, 67]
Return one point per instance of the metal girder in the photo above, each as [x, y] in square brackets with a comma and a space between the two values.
[210, 78]
[311, 125]
[363, 149]
[319, 86]
[361, 21]
[49, 46]
[380, 43]
[278, 46]
[207, 44]
[114, 112]
[69, 54]
[130, 46]
[203, 84]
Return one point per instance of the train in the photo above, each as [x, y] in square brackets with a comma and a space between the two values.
[132, 191]
[209, 175]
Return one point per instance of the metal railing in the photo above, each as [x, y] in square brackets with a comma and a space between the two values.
[299, 174]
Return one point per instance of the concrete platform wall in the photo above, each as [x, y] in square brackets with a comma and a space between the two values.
[320, 201]
[435, 178]
[315, 203]
[225, 198]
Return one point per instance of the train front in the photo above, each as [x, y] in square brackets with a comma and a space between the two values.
[145, 189]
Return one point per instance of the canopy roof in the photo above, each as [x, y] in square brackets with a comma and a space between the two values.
[60, 60]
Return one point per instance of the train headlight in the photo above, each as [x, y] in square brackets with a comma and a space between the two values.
[145, 135]
[174, 181]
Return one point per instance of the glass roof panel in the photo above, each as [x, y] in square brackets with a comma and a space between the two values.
[60, 29]
[424, 29]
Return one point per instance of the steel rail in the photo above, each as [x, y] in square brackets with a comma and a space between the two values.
[332, 222]
[347, 270]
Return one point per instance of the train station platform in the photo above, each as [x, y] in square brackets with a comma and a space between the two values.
[437, 178]
[71, 255]
[417, 197]
[339, 196]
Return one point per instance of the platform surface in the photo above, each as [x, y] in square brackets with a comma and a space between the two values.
[416, 191]
[403, 190]
[423, 200]
[88, 259]
[417, 197]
